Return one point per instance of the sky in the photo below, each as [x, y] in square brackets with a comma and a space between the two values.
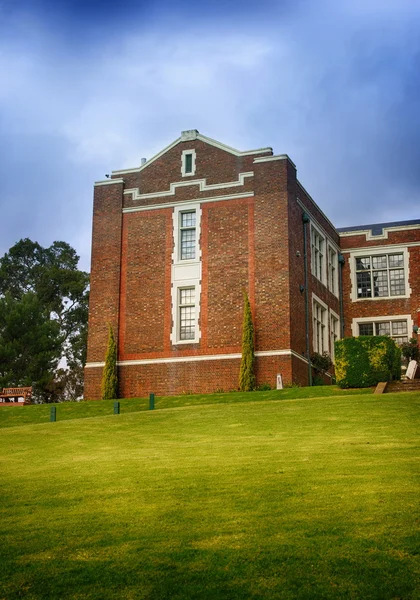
[87, 87]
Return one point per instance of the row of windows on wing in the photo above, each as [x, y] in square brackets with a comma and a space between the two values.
[318, 245]
[380, 276]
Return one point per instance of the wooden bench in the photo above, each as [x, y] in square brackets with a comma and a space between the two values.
[12, 394]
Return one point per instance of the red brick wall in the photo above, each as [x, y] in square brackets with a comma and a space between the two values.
[387, 306]
[105, 268]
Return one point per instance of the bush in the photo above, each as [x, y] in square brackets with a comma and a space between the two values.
[364, 361]
[110, 372]
[410, 350]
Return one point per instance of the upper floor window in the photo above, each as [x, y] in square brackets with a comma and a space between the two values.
[380, 276]
[187, 235]
[188, 163]
[332, 270]
[317, 254]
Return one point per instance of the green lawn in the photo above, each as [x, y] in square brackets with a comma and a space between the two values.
[291, 498]
[11, 416]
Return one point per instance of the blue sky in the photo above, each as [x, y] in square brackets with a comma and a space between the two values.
[90, 87]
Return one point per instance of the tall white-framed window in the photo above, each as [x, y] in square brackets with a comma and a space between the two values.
[318, 250]
[188, 163]
[320, 325]
[186, 308]
[186, 274]
[187, 235]
[332, 270]
[398, 327]
[379, 274]
[334, 332]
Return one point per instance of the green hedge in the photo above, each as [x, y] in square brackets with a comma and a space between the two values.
[366, 360]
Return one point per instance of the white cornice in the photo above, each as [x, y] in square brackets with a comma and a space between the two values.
[202, 184]
[312, 200]
[200, 137]
[319, 226]
[261, 159]
[130, 209]
[183, 359]
[108, 182]
[382, 236]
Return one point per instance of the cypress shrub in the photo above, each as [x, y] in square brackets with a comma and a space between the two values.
[110, 375]
[364, 361]
[246, 373]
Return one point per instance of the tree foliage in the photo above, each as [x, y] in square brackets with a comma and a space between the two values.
[110, 374]
[246, 374]
[43, 316]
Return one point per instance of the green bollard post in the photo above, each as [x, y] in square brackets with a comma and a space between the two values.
[116, 408]
[151, 401]
[53, 414]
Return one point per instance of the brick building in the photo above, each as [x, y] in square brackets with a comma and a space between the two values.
[177, 240]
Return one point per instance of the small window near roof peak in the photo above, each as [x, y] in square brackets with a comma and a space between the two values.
[188, 163]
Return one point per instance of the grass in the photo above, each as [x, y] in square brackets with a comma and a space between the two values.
[292, 498]
[12, 416]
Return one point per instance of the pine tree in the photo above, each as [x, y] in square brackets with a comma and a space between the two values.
[109, 375]
[246, 374]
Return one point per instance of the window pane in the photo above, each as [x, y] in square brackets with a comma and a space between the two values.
[383, 328]
[188, 219]
[365, 328]
[188, 163]
[379, 262]
[399, 328]
[363, 263]
[396, 260]
[364, 287]
[396, 278]
[187, 322]
[380, 284]
[187, 296]
[187, 244]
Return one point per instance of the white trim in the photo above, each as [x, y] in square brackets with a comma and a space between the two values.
[386, 250]
[317, 224]
[202, 183]
[377, 319]
[261, 159]
[182, 359]
[108, 182]
[185, 273]
[130, 209]
[184, 162]
[200, 137]
[381, 236]
[316, 205]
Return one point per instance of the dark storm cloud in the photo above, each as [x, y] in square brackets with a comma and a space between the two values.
[88, 87]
